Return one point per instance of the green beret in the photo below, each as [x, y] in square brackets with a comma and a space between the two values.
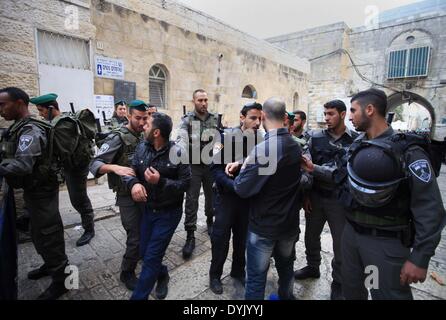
[291, 116]
[43, 99]
[120, 102]
[138, 105]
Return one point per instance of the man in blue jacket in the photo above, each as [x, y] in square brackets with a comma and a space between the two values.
[270, 178]
[159, 185]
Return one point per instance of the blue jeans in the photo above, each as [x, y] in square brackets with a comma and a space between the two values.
[259, 252]
[157, 229]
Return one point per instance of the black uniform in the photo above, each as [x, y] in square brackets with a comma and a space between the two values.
[411, 216]
[231, 212]
[325, 150]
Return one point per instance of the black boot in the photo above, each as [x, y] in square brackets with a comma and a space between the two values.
[85, 238]
[307, 273]
[38, 273]
[215, 286]
[162, 288]
[54, 291]
[336, 291]
[189, 246]
[129, 279]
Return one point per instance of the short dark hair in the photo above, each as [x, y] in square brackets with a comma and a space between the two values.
[16, 94]
[251, 106]
[152, 106]
[162, 122]
[198, 91]
[339, 105]
[301, 114]
[375, 97]
[50, 103]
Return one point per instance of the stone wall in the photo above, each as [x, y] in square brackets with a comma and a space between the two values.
[185, 42]
[333, 76]
[188, 45]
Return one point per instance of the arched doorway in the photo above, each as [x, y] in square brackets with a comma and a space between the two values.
[412, 112]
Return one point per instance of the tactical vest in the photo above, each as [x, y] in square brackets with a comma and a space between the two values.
[124, 158]
[323, 151]
[211, 123]
[46, 171]
[397, 211]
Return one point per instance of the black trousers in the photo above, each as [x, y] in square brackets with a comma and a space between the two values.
[231, 215]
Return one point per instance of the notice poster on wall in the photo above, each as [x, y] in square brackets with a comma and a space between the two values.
[104, 104]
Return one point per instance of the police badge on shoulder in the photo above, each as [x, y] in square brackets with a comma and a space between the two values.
[422, 170]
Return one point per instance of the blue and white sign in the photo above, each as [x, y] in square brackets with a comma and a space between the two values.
[109, 68]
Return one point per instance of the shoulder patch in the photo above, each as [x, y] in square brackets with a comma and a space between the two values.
[104, 148]
[218, 146]
[25, 142]
[422, 170]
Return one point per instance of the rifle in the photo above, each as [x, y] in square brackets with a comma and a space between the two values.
[104, 117]
[184, 110]
[72, 108]
[50, 113]
[219, 124]
[390, 117]
[98, 124]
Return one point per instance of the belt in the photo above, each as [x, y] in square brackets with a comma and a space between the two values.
[375, 232]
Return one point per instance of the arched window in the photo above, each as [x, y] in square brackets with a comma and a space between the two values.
[157, 86]
[296, 101]
[249, 92]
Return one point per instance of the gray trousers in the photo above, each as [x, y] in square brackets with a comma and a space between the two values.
[386, 254]
[200, 174]
[47, 230]
[325, 209]
[131, 221]
[76, 180]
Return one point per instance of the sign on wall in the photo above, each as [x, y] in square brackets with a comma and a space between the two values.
[109, 67]
[106, 104]
[125, 90]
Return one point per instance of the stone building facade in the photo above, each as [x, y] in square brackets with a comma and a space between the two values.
[166, 51]
[333, 74]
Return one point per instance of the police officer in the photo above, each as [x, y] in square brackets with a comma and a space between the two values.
[114, 159]
[326, 147]
[75, 177]
[197, 130]
[395, 211]
[26, 164]
[120, 114]
[231, 211]
[151, 109]
[298, 126]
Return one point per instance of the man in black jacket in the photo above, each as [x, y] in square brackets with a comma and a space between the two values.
[160, 184]
[270, 178]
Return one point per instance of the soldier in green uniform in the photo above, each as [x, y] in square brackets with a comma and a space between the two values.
[75, 177]
[26, 164]
[114, 159]
[119, 115]
[197, 130]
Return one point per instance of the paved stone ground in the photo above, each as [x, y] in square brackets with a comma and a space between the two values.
[99, 262]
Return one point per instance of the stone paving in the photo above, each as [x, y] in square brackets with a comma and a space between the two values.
[99, 262]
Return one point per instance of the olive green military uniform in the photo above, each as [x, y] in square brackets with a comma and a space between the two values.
[25, 164]
[76, 181]
[194, 143]
[119, 148]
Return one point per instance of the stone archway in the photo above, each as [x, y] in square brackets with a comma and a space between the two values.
[407, 99]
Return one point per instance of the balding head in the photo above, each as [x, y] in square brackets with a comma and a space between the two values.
[274, 109]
